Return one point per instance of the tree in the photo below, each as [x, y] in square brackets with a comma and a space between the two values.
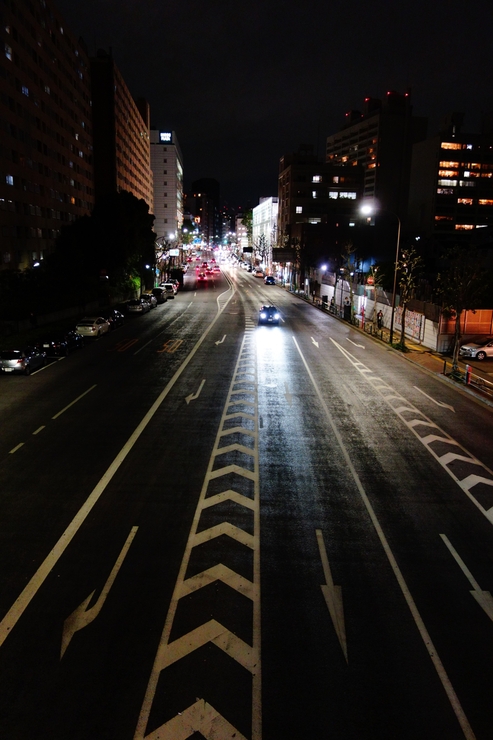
[463, 286]
[408, 268]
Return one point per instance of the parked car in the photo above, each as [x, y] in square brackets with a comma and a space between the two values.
[150, 298]
[61, 343]
[170, 289]
[22, 360]
[138, 305]
[477, 348]
[269, 280]
[92, 326]
[268, 315]
[114, 318]
[159, 294]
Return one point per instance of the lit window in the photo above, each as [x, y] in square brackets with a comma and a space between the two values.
[8, 52]
[335, 179]
[333, 194]
[299, 209]
[314, 220]
[316, 178]
[314, 194]
[447, 173]
[467, 184]
[25, 90]
[487, 174]
[465, 201]
[450, 183]
[449, 164]
[451, 145]
[464, 227]
[445, 191]
[485, 202]
[372, 165]
[443, 218]
[350, 196]
[9, 179]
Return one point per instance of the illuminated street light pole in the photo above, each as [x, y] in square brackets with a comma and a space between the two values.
[367, 210]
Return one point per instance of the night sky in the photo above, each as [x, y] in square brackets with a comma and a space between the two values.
[242, 83]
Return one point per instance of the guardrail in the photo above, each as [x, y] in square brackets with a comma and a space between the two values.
[478, 382]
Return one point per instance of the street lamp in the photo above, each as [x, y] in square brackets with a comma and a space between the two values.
[367, 210]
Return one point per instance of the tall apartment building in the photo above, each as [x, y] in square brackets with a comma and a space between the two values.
[451, 191]
[167, 170]
[121, 125]
[380, 140]
[46, 167]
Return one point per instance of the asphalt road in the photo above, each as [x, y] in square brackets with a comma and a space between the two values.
[215, 529]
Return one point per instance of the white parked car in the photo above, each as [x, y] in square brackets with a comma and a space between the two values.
[478, 348]
[93, 326]
[150, 298]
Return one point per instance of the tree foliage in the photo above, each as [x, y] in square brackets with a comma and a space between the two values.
[408, 270]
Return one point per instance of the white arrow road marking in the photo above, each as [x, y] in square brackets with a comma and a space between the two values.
[194, 396]
[314, 342]
[484, 598]
[82, 616]
[356, 345]
[287, 394]
[438, 403]
[220, 341]
[425, 636]
[333, 596]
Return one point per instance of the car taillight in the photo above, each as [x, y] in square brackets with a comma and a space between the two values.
[19, 362]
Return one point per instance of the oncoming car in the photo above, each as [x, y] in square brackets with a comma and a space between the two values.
[268, 315]
[478, 348]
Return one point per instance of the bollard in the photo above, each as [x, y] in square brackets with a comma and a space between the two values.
[445, 367]
[467, 377]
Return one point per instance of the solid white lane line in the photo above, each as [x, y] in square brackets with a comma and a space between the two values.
[71, 404]
[438, 403]
[39, 429]
[23, 600]
[442, 674]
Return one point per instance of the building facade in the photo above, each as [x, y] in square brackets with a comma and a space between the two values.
[451, 190]
[121, 130]
[380, 140]
[167, 170]
[46, 152]
[264, 228]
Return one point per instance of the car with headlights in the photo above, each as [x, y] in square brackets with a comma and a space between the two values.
[92, 326]
[269, 280]
[151, 298]
[477, 348]
[22, 360]
[138, 305]
[61, 343]
[269, 315]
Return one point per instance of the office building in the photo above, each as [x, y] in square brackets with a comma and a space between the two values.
[46, 157]
[167, 170]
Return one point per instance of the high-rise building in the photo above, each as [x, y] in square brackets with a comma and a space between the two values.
[46, 167]
[264, 228]
[451, 190]
[121, 125]
[167, 170]
[205, 205]
[380, 140]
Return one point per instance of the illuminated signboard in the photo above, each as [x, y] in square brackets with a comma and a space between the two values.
[166, 137]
